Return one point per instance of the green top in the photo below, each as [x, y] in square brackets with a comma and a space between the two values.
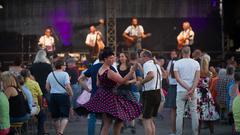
[4, 111]
[236, 112]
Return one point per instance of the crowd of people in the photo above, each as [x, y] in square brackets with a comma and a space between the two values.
[122, 91]
[124, 87]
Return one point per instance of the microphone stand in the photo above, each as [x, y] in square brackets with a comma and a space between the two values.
[55, 36]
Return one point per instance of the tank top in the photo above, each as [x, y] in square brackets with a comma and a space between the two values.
[123, 73]
[18, 104]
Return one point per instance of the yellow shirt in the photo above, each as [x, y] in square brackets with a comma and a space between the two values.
[35, 89]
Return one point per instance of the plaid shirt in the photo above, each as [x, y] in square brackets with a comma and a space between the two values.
[221, 88]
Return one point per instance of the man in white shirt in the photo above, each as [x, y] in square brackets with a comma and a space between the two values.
[133, 35]
[186, 36]
[46, 41]
[187, 74]
[91, 41]
[151, 94]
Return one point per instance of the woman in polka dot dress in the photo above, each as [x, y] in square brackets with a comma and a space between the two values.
[107, 102]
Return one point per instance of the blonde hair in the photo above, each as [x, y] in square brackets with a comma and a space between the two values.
[41, 56]
[8, 79]
[204, 71]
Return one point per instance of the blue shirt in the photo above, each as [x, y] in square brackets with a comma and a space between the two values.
[92, 72]
[133, 86]
[29, 96]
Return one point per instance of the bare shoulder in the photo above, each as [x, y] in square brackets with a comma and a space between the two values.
[11, 91]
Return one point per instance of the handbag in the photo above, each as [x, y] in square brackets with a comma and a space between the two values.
[84, 97]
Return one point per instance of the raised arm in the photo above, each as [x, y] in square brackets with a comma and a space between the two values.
[117, 77]
[133, 80]
[82, 82]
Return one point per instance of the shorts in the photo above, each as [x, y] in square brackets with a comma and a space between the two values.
[59, 106]
[171, 97]
[151, 101]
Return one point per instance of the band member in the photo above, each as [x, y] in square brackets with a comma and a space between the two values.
[133, 35]
[185, 37]
[94, 42]
[46, 41]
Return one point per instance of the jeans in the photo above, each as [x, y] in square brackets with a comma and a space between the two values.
[41, 120]
[91, 124]
[137, 96]
[76, 92]
[181, 102]
[24, 118]
[135, 47]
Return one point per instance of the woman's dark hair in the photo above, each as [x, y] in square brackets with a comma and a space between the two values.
[100, 56]
[159, 57]
[237, 76]
[20, 79]
[59, 63]
[107, 51]
[230, 70]
[127, 62]
[25, 73]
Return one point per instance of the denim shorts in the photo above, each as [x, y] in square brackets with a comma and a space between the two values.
[59, 106]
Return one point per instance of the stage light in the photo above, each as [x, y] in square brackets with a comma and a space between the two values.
[1, 6]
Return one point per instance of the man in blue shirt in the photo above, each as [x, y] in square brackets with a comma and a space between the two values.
[92, 72]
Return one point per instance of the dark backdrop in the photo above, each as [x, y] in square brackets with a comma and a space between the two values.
[22, 21]
[165, 30]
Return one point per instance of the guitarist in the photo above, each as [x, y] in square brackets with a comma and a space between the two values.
[92, 42]
[185, 37]
[133, 35]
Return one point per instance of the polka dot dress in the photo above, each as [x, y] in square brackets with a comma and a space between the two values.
[105, 101]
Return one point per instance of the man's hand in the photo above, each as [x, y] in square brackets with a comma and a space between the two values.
[138, 84]
[131, 39]
[190, 92]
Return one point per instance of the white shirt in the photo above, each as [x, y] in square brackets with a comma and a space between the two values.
[191, 36]
[172, 81]
[46, 41]
[134, 31]
[91, 39]
[186, 68]
[150, 66]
